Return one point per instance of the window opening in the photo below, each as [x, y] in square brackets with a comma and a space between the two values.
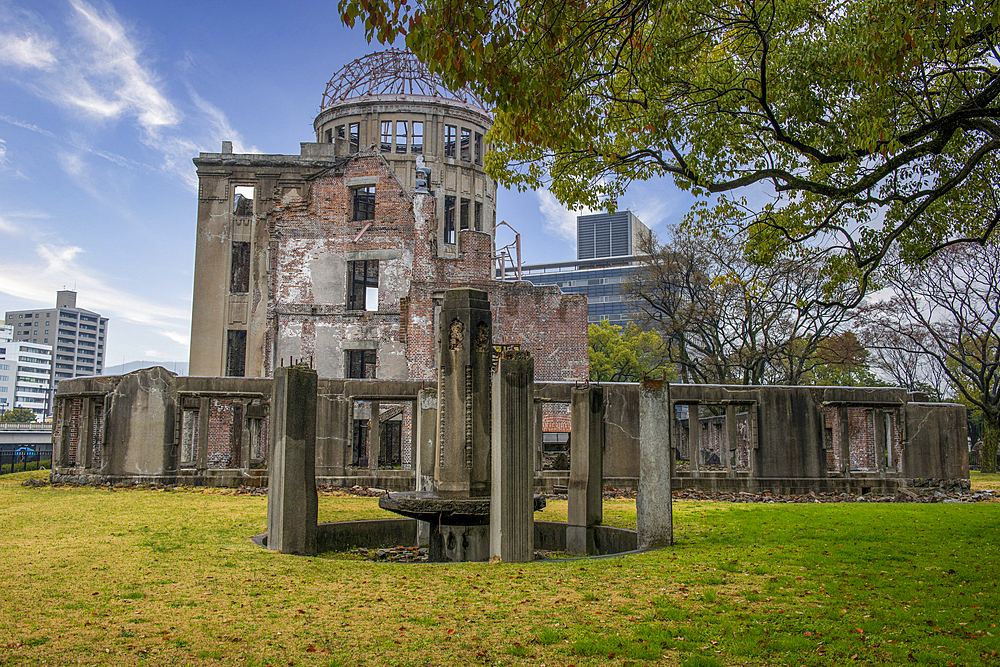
[340, 132]
[355, 136]
[386, 136]
[364, 203]
[361, 364]
[479, 216]
[449, 219]
[400, 136]
[362, 285]
[466, 144]
[243, 200]
[239, 279]
[329, 136]
[391, 452]
[479, 148]
[417, 141]
[236, 349]
[450, 135]
[359, 444]
[463, 216]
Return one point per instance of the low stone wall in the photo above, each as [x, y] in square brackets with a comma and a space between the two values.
[152, 426]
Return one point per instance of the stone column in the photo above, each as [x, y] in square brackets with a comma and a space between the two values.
[732, 437]
[654, 505]
[462, 466]
[425, 432]
[291, 494]
[374, 435]
[694, 439]
[85, 440]
[201, 456]
[512, 523]
[844, 423]
[586, 470]
[333, 435]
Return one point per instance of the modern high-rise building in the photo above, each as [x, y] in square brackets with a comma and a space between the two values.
[602, 235]
[77, 337]
[25, 374]
[608, 248]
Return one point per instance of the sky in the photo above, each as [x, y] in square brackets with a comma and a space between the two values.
[104, 105]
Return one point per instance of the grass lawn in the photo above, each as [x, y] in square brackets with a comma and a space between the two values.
[146, 577]
[984, 480]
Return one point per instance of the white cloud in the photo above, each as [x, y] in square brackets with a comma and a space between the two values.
[114, 82]
[98, 70]
[56, 266]
[221, 129]
[28, 51]
[3, 152]
[7, 227]
[559, 220]
[180, 339]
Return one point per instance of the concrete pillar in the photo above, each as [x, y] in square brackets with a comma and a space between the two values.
[85, 439]
[204, 412]
[845, 440]
[333, 435]
[425, 432]
[586, 469]
[878, 421]
[291, 494]
[374, 435]
[466, 360]
[512, 523]
[694, 438]
[732, 435]
[654, 505]
[539, 438]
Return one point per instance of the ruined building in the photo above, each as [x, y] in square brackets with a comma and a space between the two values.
[340, 255]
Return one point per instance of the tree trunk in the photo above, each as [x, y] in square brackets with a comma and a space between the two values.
[991, 437]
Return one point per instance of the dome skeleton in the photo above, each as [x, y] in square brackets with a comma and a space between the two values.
[391, 72]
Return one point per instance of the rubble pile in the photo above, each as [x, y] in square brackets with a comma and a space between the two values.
[906, 495]
[398, 554]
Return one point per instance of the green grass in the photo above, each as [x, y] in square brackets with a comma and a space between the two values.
[147, 577]
[985, 480]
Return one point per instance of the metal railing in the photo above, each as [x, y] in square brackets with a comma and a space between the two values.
[25, 458]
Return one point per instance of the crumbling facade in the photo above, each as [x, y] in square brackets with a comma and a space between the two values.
[341, 255]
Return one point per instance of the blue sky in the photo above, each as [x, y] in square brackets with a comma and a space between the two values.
[102, 108]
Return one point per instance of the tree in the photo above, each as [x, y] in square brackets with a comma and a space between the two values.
[625, 354]
[842, 361]
[872, 124]
[19, 415]
[949, 309]
[731, 320]
[895, 357]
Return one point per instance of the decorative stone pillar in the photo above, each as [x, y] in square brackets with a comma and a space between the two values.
[512, 523]
[462, 465]
[292, 503]
[653, 507]
[586, 470]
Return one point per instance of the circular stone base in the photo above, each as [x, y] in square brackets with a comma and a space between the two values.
[426, 506]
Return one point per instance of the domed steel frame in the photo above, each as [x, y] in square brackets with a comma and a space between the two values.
[391, 72]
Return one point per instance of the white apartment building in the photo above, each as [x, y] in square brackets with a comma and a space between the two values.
[25, 375]
[77, 336]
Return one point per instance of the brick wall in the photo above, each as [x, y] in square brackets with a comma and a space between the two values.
[220, 433]
[311, 235]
